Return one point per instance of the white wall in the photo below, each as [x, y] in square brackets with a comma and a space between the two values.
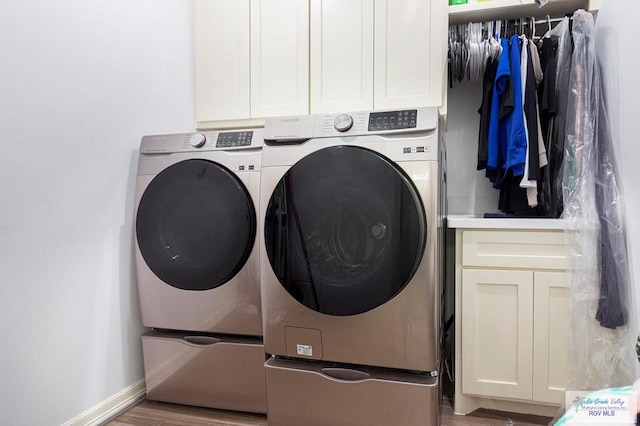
[468, 191]
[80, 82]
[617, 45]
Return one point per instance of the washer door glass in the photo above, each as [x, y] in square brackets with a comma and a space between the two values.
[196, 225]
[345, 230]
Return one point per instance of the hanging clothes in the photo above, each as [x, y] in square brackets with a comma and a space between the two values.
[563, 76]
[514, 131]
[513, 199]
[485, 112]
[514, 137]
[513, 141]
[501, 106]
[547, 108]
[537, 72]
[602, 351]
[614, 268]
[507, 139]
[532, 167]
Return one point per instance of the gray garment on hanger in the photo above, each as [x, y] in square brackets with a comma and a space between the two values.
[556, 143]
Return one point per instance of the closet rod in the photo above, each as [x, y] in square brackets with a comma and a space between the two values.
[536, 22]
[544, 21]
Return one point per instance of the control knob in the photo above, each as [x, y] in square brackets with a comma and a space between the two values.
[198, 140]
[343, 122]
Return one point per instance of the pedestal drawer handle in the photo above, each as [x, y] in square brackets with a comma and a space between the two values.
[345, 374]
[201, 340]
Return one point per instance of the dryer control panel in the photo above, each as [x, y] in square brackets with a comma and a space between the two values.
[203, 141]
[234, 139]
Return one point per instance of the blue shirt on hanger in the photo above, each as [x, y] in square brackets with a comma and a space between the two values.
[514, 142]
[507, 145]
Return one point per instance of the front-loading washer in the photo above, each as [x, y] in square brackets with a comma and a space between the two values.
[196, 228]
[351, 221]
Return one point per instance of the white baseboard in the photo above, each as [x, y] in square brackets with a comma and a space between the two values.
[110, 406]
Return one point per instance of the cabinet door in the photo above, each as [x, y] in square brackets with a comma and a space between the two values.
[221, 59]
[550, 336]
[409, 53]
[341, 55]
[497, 333]
[279, 57]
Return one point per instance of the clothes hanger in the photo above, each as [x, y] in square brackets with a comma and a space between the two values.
[548, 27]
[547, 32]
[521, 22]
[532, 27]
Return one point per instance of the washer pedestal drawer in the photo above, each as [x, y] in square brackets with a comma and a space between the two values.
[316, 393]
[205, 370]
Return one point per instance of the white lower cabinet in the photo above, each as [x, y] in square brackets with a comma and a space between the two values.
[511, 320]
[497, 339]
[550, 336]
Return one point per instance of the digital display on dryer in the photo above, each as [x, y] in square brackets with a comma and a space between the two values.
[234, 139]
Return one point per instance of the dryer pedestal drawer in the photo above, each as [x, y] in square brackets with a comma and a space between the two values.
[205, 371]
[315, 393]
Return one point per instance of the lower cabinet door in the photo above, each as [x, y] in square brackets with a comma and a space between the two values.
[550, 336]
[497, 333]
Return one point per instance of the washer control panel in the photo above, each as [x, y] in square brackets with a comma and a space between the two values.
[234, 139]
[299, 129]
[393, 120]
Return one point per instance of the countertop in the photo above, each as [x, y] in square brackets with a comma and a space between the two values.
[478, 222]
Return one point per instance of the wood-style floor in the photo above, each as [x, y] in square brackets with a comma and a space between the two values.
[152, 413]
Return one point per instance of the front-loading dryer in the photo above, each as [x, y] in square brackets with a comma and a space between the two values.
[197, 265]
[350, 216]
[196, 228]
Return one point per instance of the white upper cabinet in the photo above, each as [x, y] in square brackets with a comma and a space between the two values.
[221, 59]
[409, 53]
[256, 59]
[341, 55]
[279, 58]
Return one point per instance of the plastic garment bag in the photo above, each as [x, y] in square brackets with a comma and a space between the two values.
[601, 341]
[613, 309]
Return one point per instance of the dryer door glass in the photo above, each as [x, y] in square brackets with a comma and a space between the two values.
[345, 230]
[196, 225]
